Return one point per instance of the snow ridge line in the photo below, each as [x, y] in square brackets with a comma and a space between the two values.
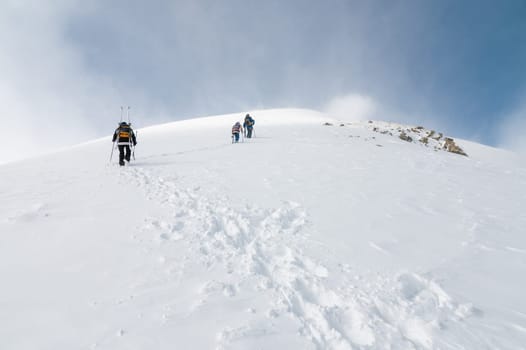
[265, 247]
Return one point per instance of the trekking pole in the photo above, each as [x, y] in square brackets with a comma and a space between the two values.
[133, 149]
[112, 148]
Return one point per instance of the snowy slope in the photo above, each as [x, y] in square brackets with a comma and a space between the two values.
[309, 236]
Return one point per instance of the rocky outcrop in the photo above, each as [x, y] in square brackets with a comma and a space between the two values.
[405, 137]
[413, 134]
[417, 134]
[450, 146]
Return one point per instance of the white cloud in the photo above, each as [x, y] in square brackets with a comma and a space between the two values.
[512, 133]
[48, 100]
[352, 107]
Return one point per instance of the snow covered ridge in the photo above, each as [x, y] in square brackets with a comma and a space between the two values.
[415, 134]
[265, 117]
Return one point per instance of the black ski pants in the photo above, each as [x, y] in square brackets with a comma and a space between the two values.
[124, 153]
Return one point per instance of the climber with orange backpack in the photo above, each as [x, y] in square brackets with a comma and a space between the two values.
[126, 139]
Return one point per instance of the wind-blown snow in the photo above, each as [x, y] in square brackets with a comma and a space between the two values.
[309, 236]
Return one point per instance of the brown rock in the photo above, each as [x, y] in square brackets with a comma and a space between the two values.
[405, 137]
[450, 146]
[438, 137]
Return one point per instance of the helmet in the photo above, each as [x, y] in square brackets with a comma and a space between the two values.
[247, 116]
[123, 124]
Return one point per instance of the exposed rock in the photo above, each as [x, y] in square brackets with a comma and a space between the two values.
[438, 137]
[327, 124]
[450, 146]
[429, 138]
[405, 137]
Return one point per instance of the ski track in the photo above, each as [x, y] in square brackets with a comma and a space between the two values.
[333, 306]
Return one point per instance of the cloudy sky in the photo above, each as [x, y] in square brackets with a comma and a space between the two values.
[66, 67]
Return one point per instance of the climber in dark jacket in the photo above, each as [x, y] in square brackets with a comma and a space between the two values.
[248, 124]
[125, 138]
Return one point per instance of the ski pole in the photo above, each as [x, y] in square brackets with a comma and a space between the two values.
[133, 149]
[112, 148]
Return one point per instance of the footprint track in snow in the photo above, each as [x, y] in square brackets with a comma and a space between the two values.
[265, 245]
